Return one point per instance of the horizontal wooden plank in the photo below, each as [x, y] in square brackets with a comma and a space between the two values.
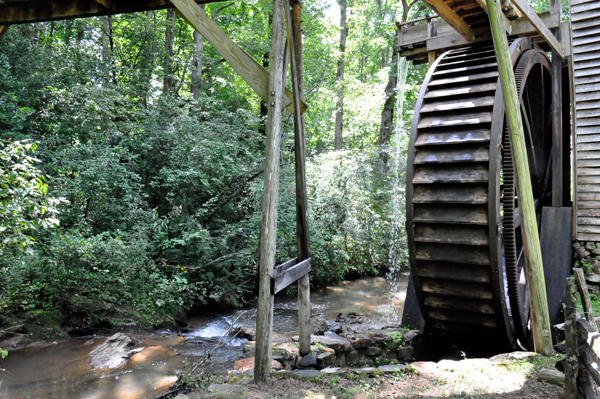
[582, 155]
[583, 204]
[454, 63]
[590, 56]
[486, 336]
[452, 234]
[586, 48]
[588, 197]
[588, 138]
[588, 237]
[471, 89]
[589, 212]
[587, 88]
[462, 79]
[454, 271]
[588, 229]
[463, 317]
[291, 275]
[588, 113]
[589, 78]
[450, 194]
[591, 221]
[584, 17]
[580, 41]
[587, 96]
[456, 136]
[455, 173]
[469, 290]
[285, 266]
[452, 155]
[577, 8]
[583, 32]
[586, 72]
[585, 64]
[588, 188]
[455, 119]
[583, 122]
[588, 171]
[587, 163]
[450, 213]
[454, 303]
[587, 105]
[588, 179]
[583, 130]
[467, 69]
[595, 146]
[463, 103]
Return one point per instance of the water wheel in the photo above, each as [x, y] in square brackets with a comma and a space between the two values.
[465, 245]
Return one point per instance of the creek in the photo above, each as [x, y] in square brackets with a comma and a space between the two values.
[63, 370]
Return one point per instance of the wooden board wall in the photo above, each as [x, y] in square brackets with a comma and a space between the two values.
[585, 34]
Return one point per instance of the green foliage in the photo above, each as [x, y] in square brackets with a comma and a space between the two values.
[587, 268]
[25, 204]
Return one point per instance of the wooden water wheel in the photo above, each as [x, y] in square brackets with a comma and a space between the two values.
[465, 245]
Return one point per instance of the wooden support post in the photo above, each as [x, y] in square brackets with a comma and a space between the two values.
[431, 32]
[452, 18]
[572, 355]
[302, 233]
[535, 20]
[557, 128]
[268, 230]
[585, 296]
[542, 336]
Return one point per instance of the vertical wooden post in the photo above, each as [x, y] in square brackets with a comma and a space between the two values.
[557, 129]
[585, 296]
[268, 230]
[302, 235]
[572, 355]
[3, 30]
[542, 337]
[431, 32]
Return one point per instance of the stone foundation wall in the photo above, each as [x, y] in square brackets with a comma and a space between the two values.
[588, 255]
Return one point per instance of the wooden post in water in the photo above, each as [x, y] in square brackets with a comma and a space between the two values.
[540, 318]
[302, 235]
[268, 230]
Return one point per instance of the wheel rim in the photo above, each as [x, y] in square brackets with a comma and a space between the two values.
[455, 163]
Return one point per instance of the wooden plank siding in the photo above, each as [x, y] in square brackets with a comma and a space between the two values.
[585, 35]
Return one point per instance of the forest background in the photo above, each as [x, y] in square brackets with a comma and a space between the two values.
[132, 156]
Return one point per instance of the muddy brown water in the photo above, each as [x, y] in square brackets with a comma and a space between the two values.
[63, 370]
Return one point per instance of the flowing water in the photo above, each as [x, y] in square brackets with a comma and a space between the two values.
[398, 249]
[63, 370]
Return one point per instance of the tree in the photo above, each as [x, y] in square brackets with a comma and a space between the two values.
[169, 37]
[25, 204]
[197, 62]
[339, 112]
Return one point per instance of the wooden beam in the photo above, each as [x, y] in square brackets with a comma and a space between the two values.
[505, 20]
[557, 128]
[528, 12]
[248, 68]
[585, 296]
[302, 232]
[20, 12]
[290, 276]
[268, 229]
[540, 317]
[571, 357]
[452, 18]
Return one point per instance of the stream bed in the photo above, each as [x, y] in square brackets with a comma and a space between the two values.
[63, 370]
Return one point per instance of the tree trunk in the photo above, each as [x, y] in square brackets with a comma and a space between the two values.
[106, 48]
[197, 62]
[169, 36]
[387, 115]
[339, 112]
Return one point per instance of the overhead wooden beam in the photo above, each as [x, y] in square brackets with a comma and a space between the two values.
[452, 18]
[248, 68]
[535, 20]
[22, 11]
[507, 26]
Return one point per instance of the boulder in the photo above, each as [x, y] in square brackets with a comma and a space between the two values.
[362, 343]
[309, 360]
[326, 359]
[554, 377]
[373, 351]
[329, 326]
[337, 343]
[250, 346]
[305, 374]
[334, 371]
[290, 348]
[113, 352]
[411, 335]
[406, 353]
[518, 355]
[244, 365]
[377, 338]
[366, 370]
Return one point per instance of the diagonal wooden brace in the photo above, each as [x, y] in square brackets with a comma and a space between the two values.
[248, 68]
